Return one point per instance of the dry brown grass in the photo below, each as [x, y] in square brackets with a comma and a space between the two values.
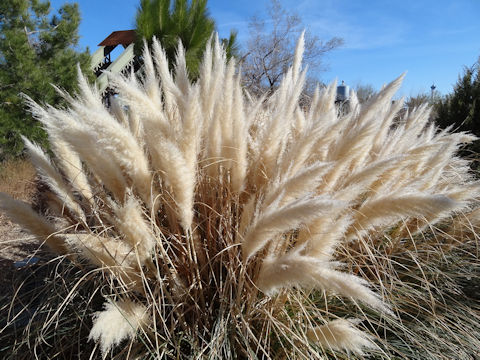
[17, 178]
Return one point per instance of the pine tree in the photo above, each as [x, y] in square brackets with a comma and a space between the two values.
[188, 21]
[461, 109]
[36, 50]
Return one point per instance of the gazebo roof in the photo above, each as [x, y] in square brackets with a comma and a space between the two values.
[123, 37]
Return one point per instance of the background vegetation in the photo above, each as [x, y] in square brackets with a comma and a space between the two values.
[460, 110]
[37, 49]
[180, 20]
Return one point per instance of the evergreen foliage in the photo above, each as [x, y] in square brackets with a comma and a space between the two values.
[36, 50]
[188, 21]
[461, 109]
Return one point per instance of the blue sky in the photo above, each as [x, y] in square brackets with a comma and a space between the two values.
[430, 39]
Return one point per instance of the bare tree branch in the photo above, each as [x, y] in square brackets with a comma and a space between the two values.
[271, 47]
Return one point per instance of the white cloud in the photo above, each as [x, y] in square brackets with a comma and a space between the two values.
[361, 28]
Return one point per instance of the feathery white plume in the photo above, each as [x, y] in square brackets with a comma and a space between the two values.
[119, 320]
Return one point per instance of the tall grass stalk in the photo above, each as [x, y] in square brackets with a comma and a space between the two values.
[222, 226]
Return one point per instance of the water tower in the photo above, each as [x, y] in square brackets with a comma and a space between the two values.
[343, 91]
[433, 87]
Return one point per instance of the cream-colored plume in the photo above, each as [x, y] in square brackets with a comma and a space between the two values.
[341, 335]
[120, 320]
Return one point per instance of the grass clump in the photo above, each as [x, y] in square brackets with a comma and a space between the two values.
[213, 224]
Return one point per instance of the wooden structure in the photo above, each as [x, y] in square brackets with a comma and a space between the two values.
[102, 61]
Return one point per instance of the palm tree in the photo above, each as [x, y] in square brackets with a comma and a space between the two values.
[186, 20]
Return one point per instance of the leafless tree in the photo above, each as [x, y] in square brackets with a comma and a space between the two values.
[364, 92]
[271, 46]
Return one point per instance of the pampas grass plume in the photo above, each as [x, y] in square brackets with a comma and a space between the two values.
[341, 335]
[118, 321]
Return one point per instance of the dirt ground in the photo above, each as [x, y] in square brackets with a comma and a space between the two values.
[15, 245]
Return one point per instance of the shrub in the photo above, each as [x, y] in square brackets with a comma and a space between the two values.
[207, 218]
